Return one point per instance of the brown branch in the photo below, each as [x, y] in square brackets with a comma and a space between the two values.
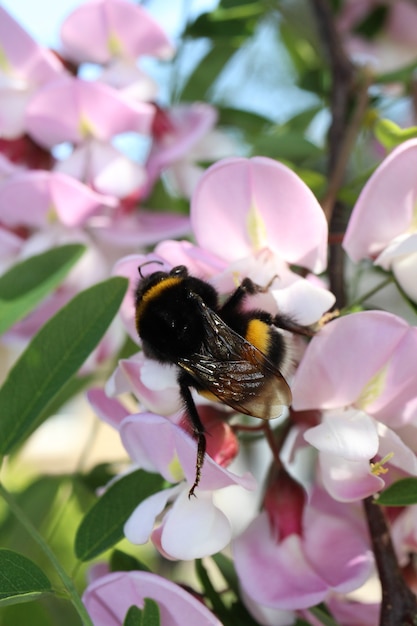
[343, 131]
[399, 606]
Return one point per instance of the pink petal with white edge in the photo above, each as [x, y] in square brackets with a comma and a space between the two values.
[350, 434]
[22, 56]
[194, 528]
[351, 561]
[139, 229]
[108, 409]
[265, 615]
[103, 167]
[71, 109]
[190, 122]
[348, 481]
[276, 574]
[49, 192]
[109, 598]
[328, 376]
[393, 391]
[153, 384]
[199, 262]
[150, 442]
[139, 526]
[386, 205]
[304, 301]
[100, 30]
[213, 476]
[391, 444]
[257, 203]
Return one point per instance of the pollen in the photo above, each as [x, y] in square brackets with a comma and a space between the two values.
[378, 468]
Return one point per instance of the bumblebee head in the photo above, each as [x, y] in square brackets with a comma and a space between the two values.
[149, 281]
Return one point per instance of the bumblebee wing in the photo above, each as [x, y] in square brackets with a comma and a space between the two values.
[236, 372]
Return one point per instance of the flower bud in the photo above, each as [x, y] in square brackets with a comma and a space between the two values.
[284, 502]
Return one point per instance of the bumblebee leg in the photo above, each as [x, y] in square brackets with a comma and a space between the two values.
[233, 302]
[286, 323]
[198, 432]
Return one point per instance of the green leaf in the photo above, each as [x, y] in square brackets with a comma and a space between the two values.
[391, 135]
[207, 71]
[320, 612]
[227, 570]
[401, 493]
[210, 592]
[150, 616]
[53, 356]
[122, 562]
[102, 527]
[20, 579]
[133, 617]
[24, 285]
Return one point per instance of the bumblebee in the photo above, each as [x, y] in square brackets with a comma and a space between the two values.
[223, 351]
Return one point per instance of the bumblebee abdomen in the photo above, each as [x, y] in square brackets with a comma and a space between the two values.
[258, 333]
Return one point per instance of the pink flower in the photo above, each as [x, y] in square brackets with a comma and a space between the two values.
[109, 598]
[52, 195]
[299, 570]
[184, 135]
[364, 361]
[189, 528]
[100, 30]
[395, 43]
[382, 225]
[268, 219]
[74, 110]
[26, 67]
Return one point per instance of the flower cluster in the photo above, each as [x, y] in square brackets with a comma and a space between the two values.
[286, 499]
[67, 145]
[256, 218]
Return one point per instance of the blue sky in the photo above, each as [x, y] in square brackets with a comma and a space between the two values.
[42, 18]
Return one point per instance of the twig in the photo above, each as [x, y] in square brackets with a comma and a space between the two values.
[399, 606]
[342, 134]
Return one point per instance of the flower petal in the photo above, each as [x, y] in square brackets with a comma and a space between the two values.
[109, 598]
[194, 527]
[257, 203]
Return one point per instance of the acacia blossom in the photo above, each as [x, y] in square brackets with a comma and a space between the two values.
[293, 568]
[383, 223]
[359, 371]
[392, 45]
[190, 528]
[91, 196]
[109, 597]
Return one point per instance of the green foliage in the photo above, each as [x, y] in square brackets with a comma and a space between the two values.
[122, 562]
[391, 135]
[148, 616]
[102, 527]
[53, 356]
[401, 493]
[27, 283]
[21, 580]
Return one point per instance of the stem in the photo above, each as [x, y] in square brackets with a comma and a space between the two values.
[399, 605]
[344, 127]
[372, 291]
[32, 531]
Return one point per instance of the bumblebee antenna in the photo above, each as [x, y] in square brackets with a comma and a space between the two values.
[147, 263]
